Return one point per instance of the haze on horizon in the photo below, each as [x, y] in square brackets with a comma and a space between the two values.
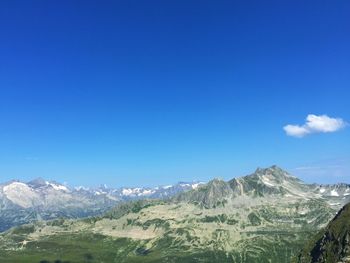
[153, 93]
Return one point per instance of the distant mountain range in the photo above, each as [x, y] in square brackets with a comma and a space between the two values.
[41, 200]
[267, 216]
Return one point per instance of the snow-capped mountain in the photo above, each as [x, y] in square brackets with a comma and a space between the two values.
[128, 193]
[22, 202]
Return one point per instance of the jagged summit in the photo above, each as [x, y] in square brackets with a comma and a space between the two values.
[275, 171]
[216, 181]
[271, 168]
[209, 195]
[264, 181]
[271, 180]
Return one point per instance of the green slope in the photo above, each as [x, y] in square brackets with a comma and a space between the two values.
[332, 244]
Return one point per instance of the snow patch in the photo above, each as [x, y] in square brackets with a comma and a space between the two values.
[127, 191]
[78, 188]
[195, 186]
[334, 193]
[15, 185]
[267, 181]
[146, 192]
[137, 192]
[59, 187]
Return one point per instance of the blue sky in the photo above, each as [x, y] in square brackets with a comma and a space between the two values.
[155, 92]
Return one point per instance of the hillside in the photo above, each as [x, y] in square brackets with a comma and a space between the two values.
[332, 244]
[263, 217]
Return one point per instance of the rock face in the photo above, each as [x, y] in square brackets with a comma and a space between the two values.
[39, 199]
[263, 217]
[332, 244]
[209, 195]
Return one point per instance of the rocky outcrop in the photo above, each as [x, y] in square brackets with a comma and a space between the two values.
[331, 244]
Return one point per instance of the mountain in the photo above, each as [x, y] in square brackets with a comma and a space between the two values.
[272, 181]
[40, 199]
[331, 244]
[266, 216]
[208, 195]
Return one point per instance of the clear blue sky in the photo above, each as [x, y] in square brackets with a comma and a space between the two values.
[154, 92]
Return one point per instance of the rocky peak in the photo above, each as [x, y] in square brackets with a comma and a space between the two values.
[274, 172]
[38, 182]
[265, 181]
[212, 194]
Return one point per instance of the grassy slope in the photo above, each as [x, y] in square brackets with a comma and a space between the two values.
[265, 233]
[96, 248]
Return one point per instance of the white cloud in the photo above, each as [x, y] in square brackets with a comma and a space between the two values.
[295, 130]
[315, 124]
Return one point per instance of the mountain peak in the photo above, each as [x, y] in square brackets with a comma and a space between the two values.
[265, 181]
[273, 172]
[38, 182]
[208, 195]
[274, 168]
[216, 181]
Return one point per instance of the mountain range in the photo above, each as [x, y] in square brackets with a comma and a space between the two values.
[40, 199]
[267, 216]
